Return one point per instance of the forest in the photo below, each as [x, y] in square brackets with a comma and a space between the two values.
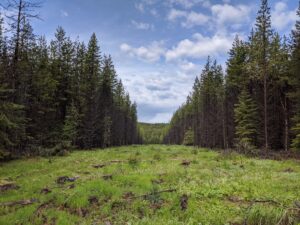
[74, 148]
[255, 104]
[57, 96]
[152, 133]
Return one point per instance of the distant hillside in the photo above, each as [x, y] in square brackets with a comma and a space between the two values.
[152, 133]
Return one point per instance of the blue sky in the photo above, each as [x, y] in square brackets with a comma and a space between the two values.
[159, 46]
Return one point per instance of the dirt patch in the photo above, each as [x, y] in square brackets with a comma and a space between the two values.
[64, 179]
[20, 202]
[93, 200]
[289, 170]
[128, 195]
[99, 166]
[45, 191]
[107, 177]
[185, 163]
[184, 202]
[8, 186]
[71, 186]
[157, 181]
[81, 212]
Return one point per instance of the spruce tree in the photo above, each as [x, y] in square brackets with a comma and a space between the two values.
[245, 114]
[236, 78]
[261, 44]
[295, 82]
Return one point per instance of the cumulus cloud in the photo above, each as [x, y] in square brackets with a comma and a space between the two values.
[142, 26]
[188, 67]
[228, 14]
[151, 53]
[190, 18]
[200, 47]
[282, 18]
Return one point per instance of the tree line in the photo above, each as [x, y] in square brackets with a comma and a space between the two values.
[256, 104]
[57, 95]
[152, 133]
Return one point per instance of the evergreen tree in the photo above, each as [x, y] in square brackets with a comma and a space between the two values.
[90, 84]
[245, 113]
[236, 78]
[295, 82]
[260, 57]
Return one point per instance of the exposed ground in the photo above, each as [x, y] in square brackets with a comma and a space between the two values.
[150, 185]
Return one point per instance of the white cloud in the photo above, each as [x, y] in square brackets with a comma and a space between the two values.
[142, 26]
[140, 7]
[200, 47]
[190, 18]
[64, 13]
[175, 14]
[282, 18]
[189, 3]
[151, 53]
[158, 91]
[188, 67]
[161, 117]
[228, 14]
[154, 12]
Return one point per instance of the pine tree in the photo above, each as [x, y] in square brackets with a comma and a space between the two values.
[295, 82]
[61, 58]
[236, 78]
[90, 86]
[245, 113]
[10, 120]
[261, 42]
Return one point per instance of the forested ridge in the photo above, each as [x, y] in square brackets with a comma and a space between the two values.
[60, 94]
[255, 104]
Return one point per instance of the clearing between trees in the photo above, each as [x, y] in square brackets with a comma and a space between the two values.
[150, 184]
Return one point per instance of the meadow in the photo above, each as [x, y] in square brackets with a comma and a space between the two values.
[150, 184]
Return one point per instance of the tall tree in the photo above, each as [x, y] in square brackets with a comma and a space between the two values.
[236, 80]
[245, 114]
[295, 82]
[261, 40]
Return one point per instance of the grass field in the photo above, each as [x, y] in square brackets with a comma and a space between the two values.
[152, 184]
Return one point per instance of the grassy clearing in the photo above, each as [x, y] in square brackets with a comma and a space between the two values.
[211, 188]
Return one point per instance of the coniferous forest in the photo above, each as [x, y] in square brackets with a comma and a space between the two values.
[255, 104]
[60, 94]
[73, 150]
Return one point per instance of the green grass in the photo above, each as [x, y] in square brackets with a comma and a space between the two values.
[221, 188]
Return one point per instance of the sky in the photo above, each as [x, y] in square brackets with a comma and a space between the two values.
[160, 46]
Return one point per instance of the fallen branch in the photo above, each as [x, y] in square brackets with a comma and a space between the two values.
[21, 202]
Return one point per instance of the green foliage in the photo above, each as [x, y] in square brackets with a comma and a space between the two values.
[295, 82]
[152, 133]
[188, 137]
[296, 140]
[246, 122]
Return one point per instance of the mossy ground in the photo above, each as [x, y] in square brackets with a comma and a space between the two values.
[221, 188]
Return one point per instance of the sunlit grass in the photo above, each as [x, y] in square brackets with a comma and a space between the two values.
[221, 188]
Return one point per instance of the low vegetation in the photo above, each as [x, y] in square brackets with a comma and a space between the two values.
[152, 184]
